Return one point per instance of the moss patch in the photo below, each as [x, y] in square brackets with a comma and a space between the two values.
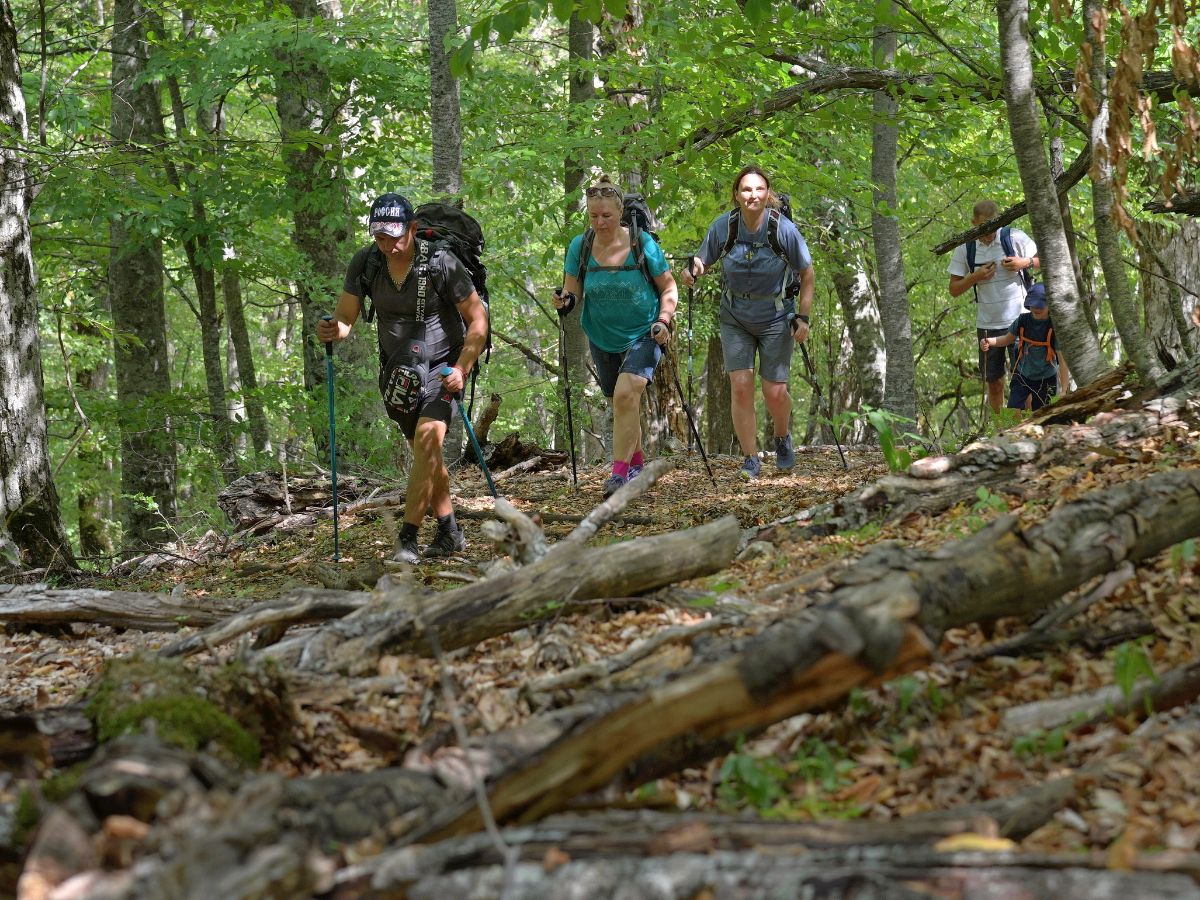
[54, 789]
[188, 707]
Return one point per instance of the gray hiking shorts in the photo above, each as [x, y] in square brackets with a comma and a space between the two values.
[773, 345]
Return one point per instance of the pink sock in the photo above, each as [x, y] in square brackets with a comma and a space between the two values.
[637, 460]
[620, 468]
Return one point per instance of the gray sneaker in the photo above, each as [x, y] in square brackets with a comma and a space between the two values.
[446, 543]
[751, 468]
[785, 456]
[408, 552]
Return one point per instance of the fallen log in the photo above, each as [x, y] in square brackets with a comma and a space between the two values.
[874, 625]
[32, 605]
[937, 483]
[298, 607]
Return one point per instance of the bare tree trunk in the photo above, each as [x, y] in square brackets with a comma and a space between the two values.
[239, 338]
[1079, 345]
[1170, 261]
[717, 412]
[899, 391]
[201, 254]
[28, 499]
[317, 194]
[574, 346]
[1108, 240]
[138, 307]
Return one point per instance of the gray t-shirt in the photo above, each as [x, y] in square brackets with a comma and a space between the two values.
[449, 285]
[752, 275]
[1001, 297]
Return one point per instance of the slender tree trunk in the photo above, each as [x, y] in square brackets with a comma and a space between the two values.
[445, 119]
[90, 500]
[138, 307]
[201, 256]
[899, 395]
[1075, 337]
[718, 416]
[1108, 240]
[573, 343]
[321, 218]
[239, 337]
[28, 500]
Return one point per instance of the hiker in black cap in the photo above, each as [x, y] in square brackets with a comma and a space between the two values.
[1040, 371]
[430, 316]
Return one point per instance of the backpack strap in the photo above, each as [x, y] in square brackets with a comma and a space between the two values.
[971, 265]
[585, 252]
[1006, 243]
[773, 217]
[735, 222]
[366, 280]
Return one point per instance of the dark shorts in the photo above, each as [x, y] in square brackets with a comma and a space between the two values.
[772, 344]
[640, 359]
[435, 404]
[1023, 388]
[993, 362]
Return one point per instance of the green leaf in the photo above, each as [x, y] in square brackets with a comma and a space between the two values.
[591, 10]
[616, 8]
[757, 11]
[562, 9]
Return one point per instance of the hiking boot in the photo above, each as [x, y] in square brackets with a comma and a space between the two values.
[615, 482]
[634, 471]
[446, 543]
[785, 456]
[751, 468]
[408, 552]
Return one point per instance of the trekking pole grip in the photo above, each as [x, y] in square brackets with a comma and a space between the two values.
[328, 344]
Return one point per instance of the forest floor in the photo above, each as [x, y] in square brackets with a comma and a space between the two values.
[932, 740]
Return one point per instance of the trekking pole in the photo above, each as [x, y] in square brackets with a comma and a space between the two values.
[689, 378]
[446, 370]
[332, 438]
[812, 373]
[687, 411]
[562, 327]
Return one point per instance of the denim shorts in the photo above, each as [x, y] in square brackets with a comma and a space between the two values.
[773, 345]
[640, 359]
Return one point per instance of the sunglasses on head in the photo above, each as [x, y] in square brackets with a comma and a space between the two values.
[603, 190]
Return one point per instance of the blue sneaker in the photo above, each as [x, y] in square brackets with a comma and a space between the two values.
[634, 471]
[615, 483]
[751, 468]
[785, 456]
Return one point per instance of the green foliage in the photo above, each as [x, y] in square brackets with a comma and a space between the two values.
[54, 789]
[895, 444]
[1183, 556]
[1131, 663]
[986, 503]
[800, 787]
[1042, 743]
[754, 780]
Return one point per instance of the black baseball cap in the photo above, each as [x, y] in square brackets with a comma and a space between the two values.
[1036, 298]
[390, 215]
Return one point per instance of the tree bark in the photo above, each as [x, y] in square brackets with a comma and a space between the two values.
[718, 415]
[321, 218]
[445, 119]
[29, 510]
[1108, 239]
[138, 306]
[37, 605]
[239, 338]
[1170, 258]
[573, 345]
[899, 387]
[1075, 337]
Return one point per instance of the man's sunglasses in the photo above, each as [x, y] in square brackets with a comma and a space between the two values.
[602, 191]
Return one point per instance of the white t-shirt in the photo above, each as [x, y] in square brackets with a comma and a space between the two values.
[1001, 297]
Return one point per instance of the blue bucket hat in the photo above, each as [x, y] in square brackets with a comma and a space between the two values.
[390, 215]
[1036, 298]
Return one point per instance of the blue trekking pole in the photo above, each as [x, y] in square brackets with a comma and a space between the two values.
[332, 438]
[446, 370]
